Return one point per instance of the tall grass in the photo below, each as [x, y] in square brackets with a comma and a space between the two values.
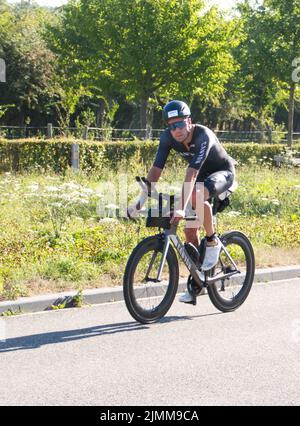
[53, 238]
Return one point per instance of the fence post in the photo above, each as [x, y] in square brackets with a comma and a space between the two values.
[148, 132]
[15, 157]
[49, 131]
[75, 157]
[2, 71]
[85, 133]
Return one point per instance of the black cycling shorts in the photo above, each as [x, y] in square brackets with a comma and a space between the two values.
[218, 182]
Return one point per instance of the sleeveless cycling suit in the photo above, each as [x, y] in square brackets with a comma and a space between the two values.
[207, 155]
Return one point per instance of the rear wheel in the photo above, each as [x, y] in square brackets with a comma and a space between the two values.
[229, 294]
[147, 299]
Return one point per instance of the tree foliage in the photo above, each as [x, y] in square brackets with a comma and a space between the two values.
[147, 50]
[104, 60]
[30, 65]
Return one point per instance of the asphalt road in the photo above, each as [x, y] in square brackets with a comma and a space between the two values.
[196, 356]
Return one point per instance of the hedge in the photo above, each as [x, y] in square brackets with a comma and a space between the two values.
[33, 154]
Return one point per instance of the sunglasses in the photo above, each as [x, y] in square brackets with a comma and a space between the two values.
[177, 125]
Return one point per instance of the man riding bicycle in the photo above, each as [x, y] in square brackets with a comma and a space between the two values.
[210, 173]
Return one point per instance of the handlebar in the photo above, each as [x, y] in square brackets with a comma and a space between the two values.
[152, 192]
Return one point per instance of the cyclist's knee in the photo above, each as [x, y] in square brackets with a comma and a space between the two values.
[200, 199]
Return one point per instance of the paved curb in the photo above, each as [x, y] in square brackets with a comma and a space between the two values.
[115, 294]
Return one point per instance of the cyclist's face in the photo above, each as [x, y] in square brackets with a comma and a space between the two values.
[181, 132]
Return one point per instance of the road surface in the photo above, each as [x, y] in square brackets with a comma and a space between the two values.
[196, 356]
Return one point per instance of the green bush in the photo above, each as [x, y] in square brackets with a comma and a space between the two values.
[55, 155]
[53, 237]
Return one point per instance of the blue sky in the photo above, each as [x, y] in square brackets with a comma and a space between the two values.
[225, 4]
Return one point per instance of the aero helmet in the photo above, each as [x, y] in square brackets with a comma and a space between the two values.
[176, 109]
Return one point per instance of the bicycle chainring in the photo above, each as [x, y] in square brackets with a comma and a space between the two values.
[193, 288]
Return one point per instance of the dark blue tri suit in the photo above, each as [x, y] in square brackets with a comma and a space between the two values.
[207, 155]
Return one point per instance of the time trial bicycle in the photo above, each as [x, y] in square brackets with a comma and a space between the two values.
[152, 273]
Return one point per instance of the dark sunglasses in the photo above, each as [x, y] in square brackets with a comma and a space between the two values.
[177, 125]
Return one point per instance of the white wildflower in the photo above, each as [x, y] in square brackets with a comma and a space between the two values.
[65, 197]
[79, 219]
[108, 220]
[87, 191]
[34, 187]
[234, 213]
[56, 205]
[52, 188]
[70, 185]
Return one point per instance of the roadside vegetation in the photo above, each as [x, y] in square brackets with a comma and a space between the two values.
[63, 232]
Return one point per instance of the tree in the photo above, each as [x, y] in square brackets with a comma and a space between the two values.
[146, 50]
[31, 76]
[270, 46]
[284, 22]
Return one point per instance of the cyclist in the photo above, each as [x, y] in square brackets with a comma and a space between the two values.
[210, 172]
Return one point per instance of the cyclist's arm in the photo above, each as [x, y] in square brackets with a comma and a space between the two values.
[153, 177]
[154, 174]
[158, 166]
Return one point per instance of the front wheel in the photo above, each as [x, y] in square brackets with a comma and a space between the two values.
[146, 299]
[230, 293]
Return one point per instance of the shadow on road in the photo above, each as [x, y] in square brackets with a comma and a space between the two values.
[36, 341]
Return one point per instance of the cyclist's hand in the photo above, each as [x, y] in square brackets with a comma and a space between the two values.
[132, 212]
[177, 217]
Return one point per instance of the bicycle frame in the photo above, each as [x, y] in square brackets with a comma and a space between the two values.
[170, 236]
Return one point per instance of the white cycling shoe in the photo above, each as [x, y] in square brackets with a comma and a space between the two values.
[211, 256]
[186, 298]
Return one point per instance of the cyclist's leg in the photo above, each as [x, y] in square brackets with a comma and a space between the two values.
[192, 228]
[204, 190]
[202, 209]
[214, 185]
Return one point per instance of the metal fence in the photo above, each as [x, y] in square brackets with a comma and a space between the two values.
[100, 134]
